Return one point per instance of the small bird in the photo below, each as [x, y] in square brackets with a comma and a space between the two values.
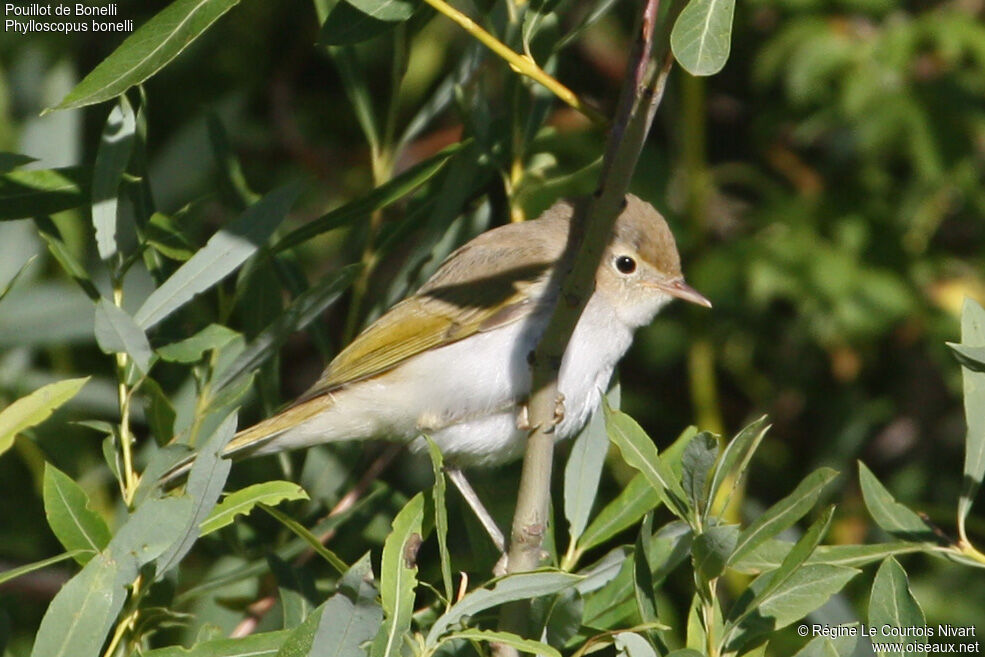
[451, 361]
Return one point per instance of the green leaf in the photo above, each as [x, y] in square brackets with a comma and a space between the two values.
[823, 646]
[696, 462]
[639, 451]
[220, 256]
[35, 192]
[265, 644]
[111, 161]
[205, 483]
[804, 591]
[160, 413]
[769, 555]
[10, 161]
[735, 459]
[441, 516]
[117, 333]
[66, 506]
[302, 311]
[506, 638]
[350, 618]
[296, 590]
[972, 336]
[631, 503]
[244, 500]
[9, 285]
[398, 576]
[520, 586]
[191, 350]
[345, 25]
[630, 644]
[784, 513]
[333, 559]
[14, 573]
[56, 246]
[393, 11]
[702, 36]
[381, 197]
[972, 358]
[644, 591]
[583, 472]
[891, 603]
[149, 49]
[889, 514]
[711, 549]
[35, 408]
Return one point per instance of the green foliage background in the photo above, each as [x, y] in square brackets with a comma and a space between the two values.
[826, 188]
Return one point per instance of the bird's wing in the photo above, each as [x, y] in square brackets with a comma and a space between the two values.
[442, 311]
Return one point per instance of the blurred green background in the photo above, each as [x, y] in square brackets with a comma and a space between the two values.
[826, 189]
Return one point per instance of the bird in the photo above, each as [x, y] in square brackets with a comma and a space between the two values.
[451, 361]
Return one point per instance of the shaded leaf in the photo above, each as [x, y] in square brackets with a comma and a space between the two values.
[192, 349]
[220, 256]
[9, 285]
[309, 538]
[265, 644]
[696, 462]
[769, 555]
[441, 515]
[735, 459]
[56, 246]
[889, 514]
[66, 506]
[117, 333]
[10, 161]
[507, 638]
[112, 156]
[972, 337]
[246, 499]
[891, 603]
[784, 513]
[14, 573]
[823, 646]
[36, 192]
[147, 50]
[520, 586]
[35, 408]
[583, 472]
[350, 618]
[711, 549]
[702, 36]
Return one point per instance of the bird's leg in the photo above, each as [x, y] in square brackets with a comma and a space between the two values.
[523, 414]
[465, 488]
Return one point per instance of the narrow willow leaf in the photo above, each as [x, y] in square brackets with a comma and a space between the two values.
[295, 589]
[300, 530]
[14, 573]
[696, 462]
[82, 613]
[889, 514]
[345, 25]
[34, 192]
[506, 638]
[9, 285]
[520, 586]
[803, 592]
[191, 350]
[299, 641]
[583, 472]
[971, 357]
[111, 161]
[232, 181]
[892, 603]
[735, 459]
[972, 336]
[160, 413]
[381, 197]
[784, 513]
[76, 526]
[35, 408]
[265, 644]
[711, 549]
[393, 11]
[149, 49]
[630, 644]
[350, 618]
[205, 483]
[56, 246]
[632, 503]
[398, 576]
[823, 646]
[10, 161]
[639, 451]
[702, 36]
[355, 83]
[769, 555]
[302, 311]
[220, 256]
[441, 516]
[643, 589]
[117, 333]
[243, 501]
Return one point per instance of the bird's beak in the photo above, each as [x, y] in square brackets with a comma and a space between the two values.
[678, 288]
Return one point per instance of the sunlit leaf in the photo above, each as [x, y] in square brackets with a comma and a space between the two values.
[702, 36]
[243, 501]
[118, 333]
[34, 192]
[398, 576]
[35, 408]
[66, 506]
[892, 604]
[111, 161]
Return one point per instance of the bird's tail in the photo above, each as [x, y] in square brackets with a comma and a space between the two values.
[248, 441]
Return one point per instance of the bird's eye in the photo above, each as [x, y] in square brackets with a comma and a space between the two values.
[625, 264]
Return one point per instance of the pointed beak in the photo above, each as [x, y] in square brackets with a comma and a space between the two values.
[678, 288]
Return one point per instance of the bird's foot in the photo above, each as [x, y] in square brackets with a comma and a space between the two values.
[523, 418]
